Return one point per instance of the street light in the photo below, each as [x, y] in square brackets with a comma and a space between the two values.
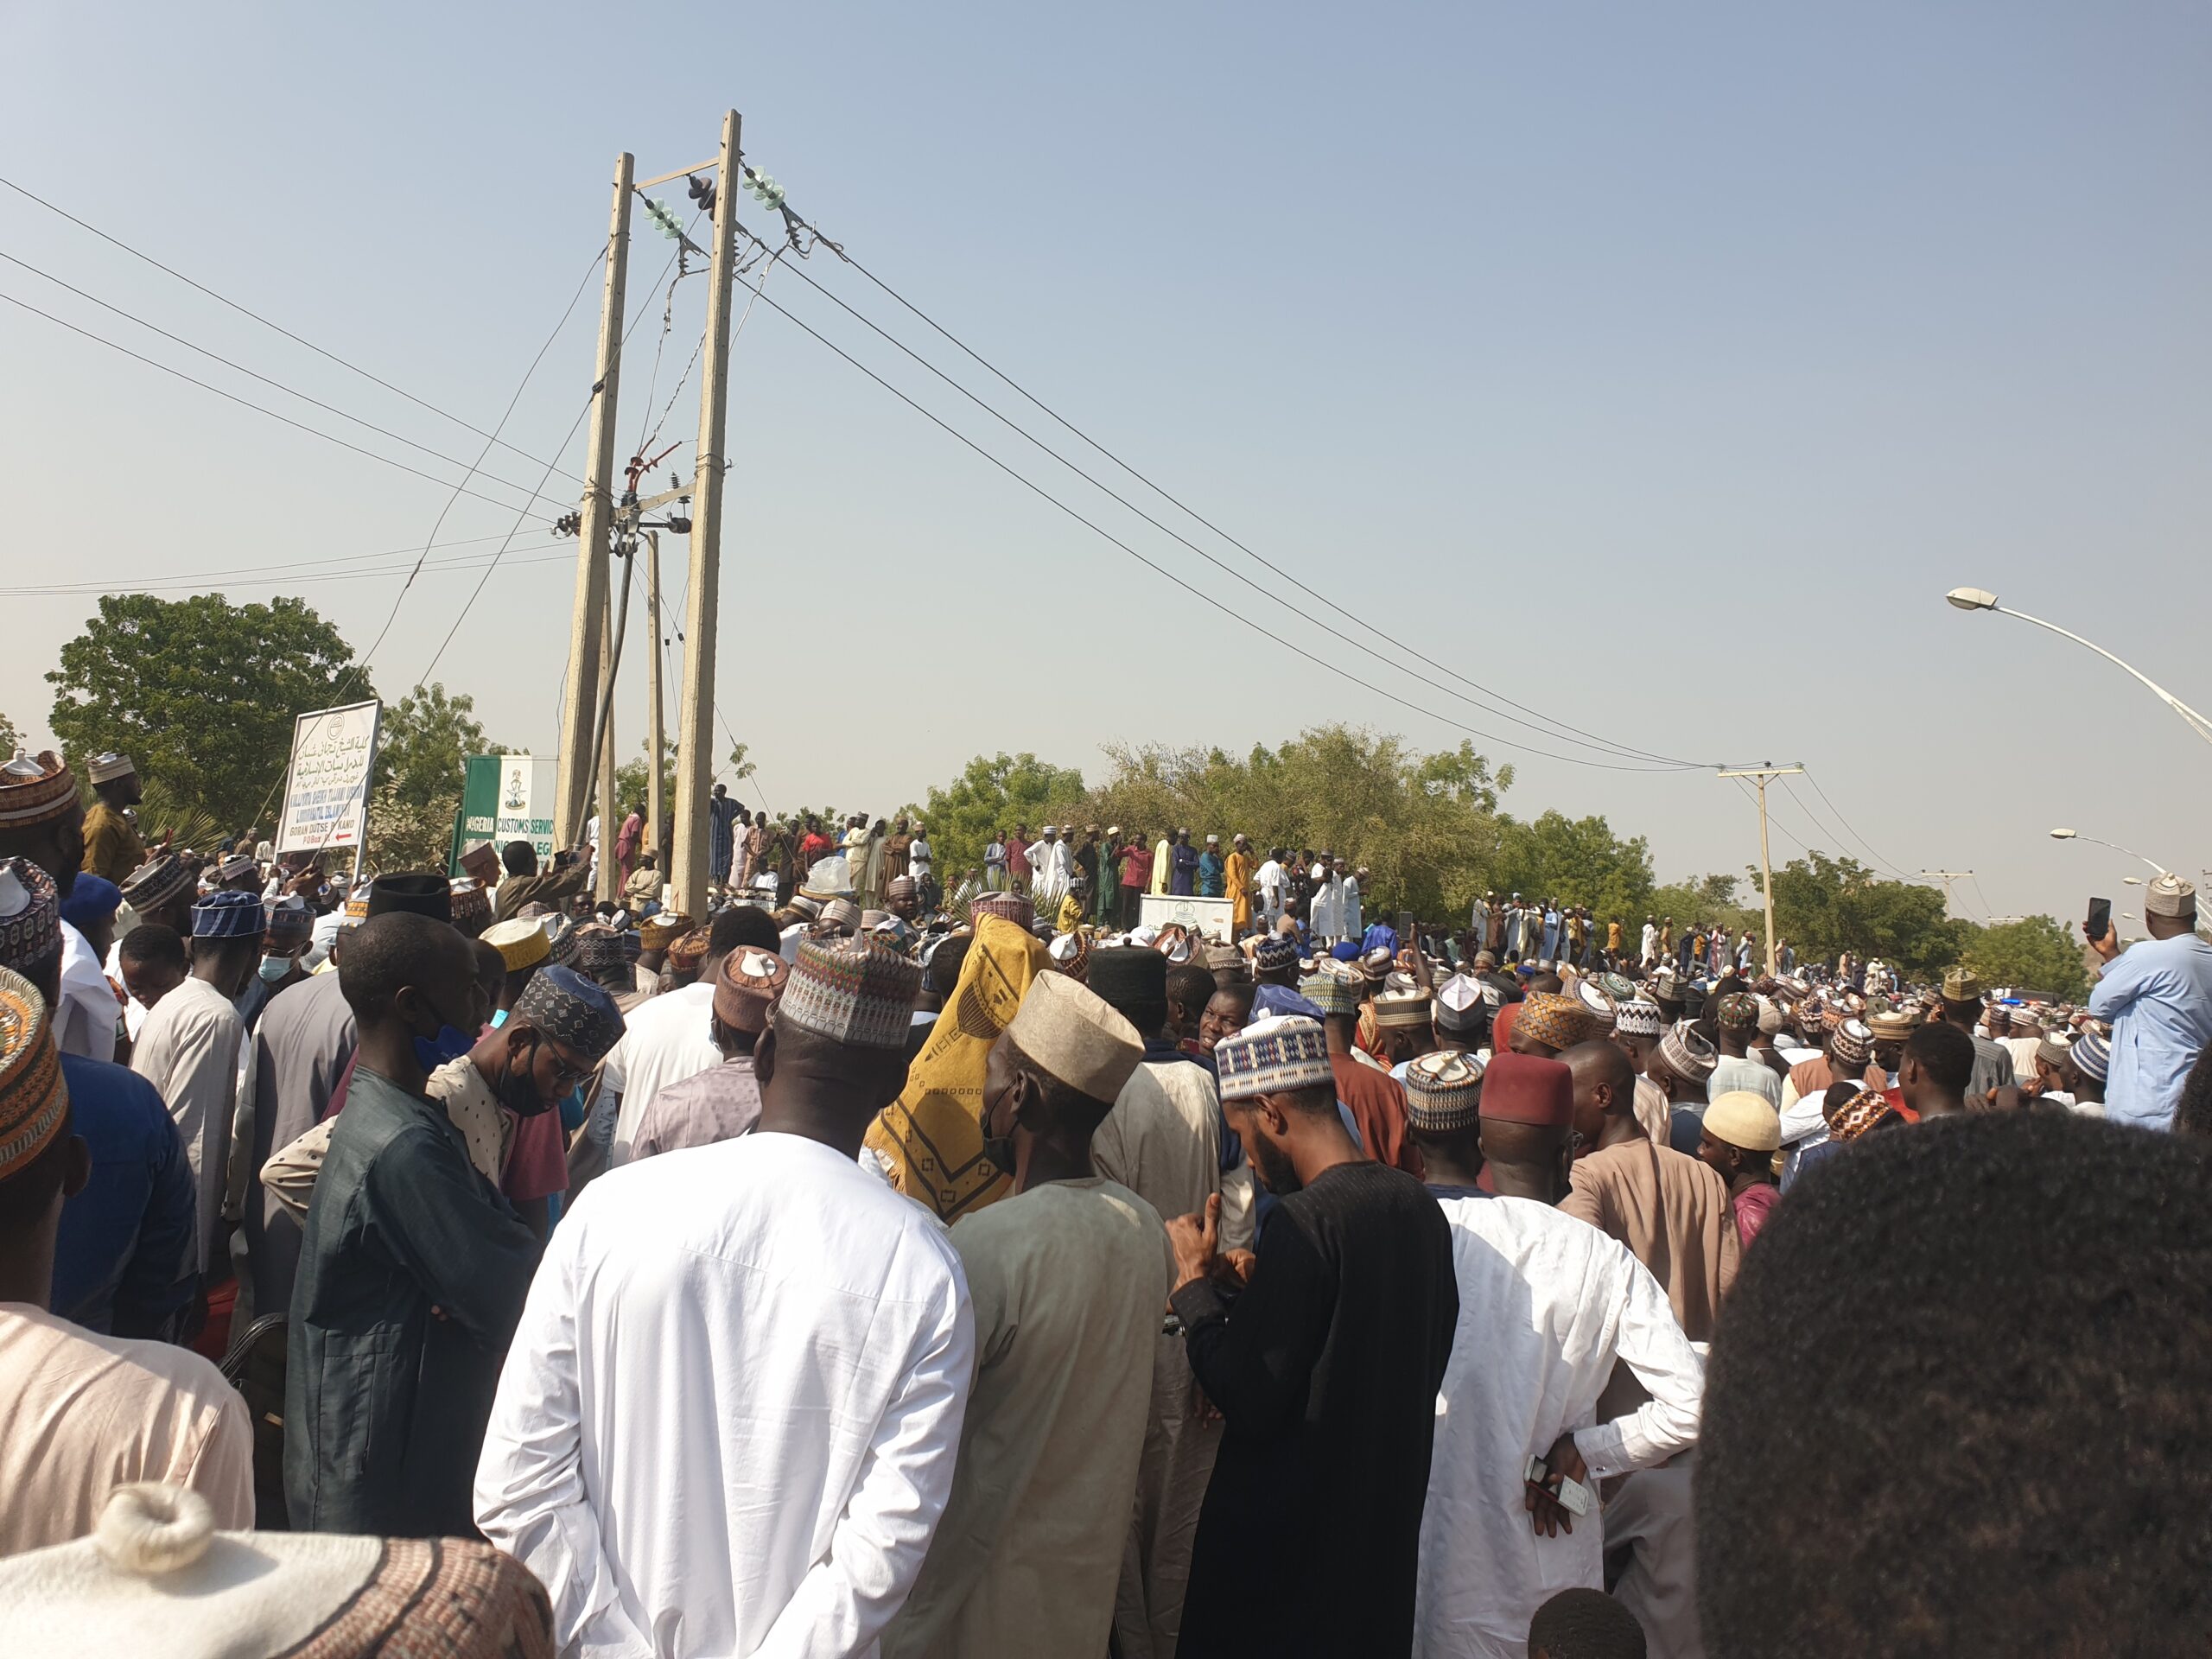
[1980, 599]
[2075, 835]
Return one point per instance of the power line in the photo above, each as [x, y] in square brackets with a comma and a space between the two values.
[258, 409]
[1846, 822]
[1568, 735]
[240, 368]
[1561, 727]
[1161, 570]
[245, 311]
[221, 572]
[202, 583]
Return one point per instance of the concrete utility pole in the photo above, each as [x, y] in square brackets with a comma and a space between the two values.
[587, 620]
[1760, 774]
[696, 717]
[655, 813]
[1947, 877]
[607, 878]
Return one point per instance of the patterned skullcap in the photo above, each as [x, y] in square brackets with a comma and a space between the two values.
[1444, 1091]
[2093, 1054]
[1852, 1042]
[1402, 1006]
[287, 926]
[1276, 1055]
[1597, 1002]
[1894, 1025]
[1862, 1112]
[226, 914]
[663, 929]
[596, 949]
[520, 942]
[161, 878]
[472, 907]
[687, 952]
[1557, 1021]
[237, 868]
[1463, 1002]
[570, 1009]
[105, 768]
[903, 887]
[30, 917]
[1333, 987]
[1639, 1016]
[852, 991]
[1224, 959]
[807, 906]
[1070, 954]
[1691, 1058]
[842, 914]
[2170, 895]
[35, 789]
[746, 988]
[2054, 1048]
[1739, 1011]
[34, 1100]
[1007, 906]
[1274, 953]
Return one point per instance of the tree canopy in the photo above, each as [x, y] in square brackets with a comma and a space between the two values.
[423, 753]
[2034, 953]
[201, 693]
[1824, 905]
[9, 741]
[1577, 861]
[992, 793]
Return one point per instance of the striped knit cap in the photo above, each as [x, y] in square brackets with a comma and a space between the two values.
[2093, 1054]
[34, 1100]
[851, 991]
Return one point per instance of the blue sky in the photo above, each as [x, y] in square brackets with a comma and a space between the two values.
[1660, 367]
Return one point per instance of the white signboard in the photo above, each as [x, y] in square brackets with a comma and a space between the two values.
[526, 803]
[1215, 917]
[327, 790]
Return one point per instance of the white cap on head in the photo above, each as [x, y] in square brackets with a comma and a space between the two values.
[1076, 1036]
[2170, 895]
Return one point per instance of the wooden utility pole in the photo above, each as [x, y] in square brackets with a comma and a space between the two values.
[1760, 775]
[655, 811]
[587, 622]
[696, 716]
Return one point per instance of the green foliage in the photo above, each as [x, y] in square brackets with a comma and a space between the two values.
[423, 753]
[10, 740]
[1424, 825]
[1709, 898]
[200, 692]
[163, 818]
[740, 768]
[1824, 905]
[1577, 861]
[2035, 954]
[992, 794]
[633, 782]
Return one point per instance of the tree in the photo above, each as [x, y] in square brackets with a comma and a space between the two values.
[2036, 954]
[1577, 861]
[634, 783]
[423, 753]
[201, 693]
[990, 794]
[10, 742]
[1824, 905]
[740, 768]
[1710, 898]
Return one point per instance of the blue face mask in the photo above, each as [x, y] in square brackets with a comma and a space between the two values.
[275, 968]
[450, 1044]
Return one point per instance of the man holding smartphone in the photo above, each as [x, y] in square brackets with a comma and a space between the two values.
[2158, 998]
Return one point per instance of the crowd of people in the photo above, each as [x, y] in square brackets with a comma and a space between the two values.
[456, 1263]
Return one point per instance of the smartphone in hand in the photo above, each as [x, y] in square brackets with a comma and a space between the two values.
[2100, 922]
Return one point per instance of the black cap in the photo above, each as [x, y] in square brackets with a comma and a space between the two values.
[421, 892]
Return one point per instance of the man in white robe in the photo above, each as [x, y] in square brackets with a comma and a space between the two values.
[728, 1419]
[1548, 1305]
[1068, 1278]
[188, 1048]
[1051, 866]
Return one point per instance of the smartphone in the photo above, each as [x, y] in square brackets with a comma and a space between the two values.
[1573, 1496]
[2100, 922]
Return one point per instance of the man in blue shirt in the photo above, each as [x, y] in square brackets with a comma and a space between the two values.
[2158, 998]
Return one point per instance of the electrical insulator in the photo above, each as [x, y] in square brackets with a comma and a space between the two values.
[702, 193]
[666, 220]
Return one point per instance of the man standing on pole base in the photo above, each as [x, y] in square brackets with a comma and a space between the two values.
[1325, 1356]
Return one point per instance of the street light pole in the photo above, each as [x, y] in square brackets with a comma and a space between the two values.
[2075, 835]
[1980, 599]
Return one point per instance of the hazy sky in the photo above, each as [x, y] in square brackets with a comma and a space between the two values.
[1659, 367]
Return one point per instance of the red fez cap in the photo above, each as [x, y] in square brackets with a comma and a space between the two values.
[1524, 1089]
[1500, 1028]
